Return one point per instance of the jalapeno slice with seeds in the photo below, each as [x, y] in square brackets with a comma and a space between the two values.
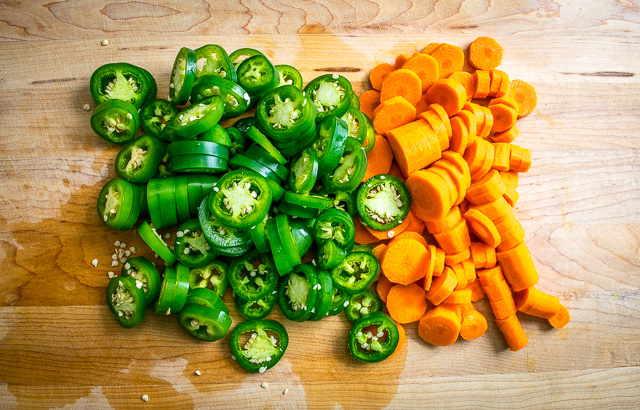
[191, 247]
[344, 201]
[156, 243]
[218, 135]
[363, 304]
[182, 76]
[115, 121]
[331, 94]
[286, 237]
[236, 100]
[220, 236]
[356, 272]
[330, 255]
[308, 200]
[242, 54]
[197, 118]
[304, 172]
[206, 297]
[126, 301]
[155, 115]
[298, 293]
[325, 296]
[257, 75]
[214, 60]
[118, 204]
[334, 225]
[256, 309]
[284, 113]
[370, 140]
[138, 161]
[289, 76]
[167, 292]
[373, 338]
[204, 323]
[258, 345]
[383, 202]
[253, 276]
[146, 276]
[242, 199]
[213, 276]
[357, 127]
[182, 288]
[120, 81]
[339, 300]
[301, 229]
[355, 101]
[350, 171]
[329, 146]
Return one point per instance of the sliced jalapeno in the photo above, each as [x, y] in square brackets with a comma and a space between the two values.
[218, 135]
[344, 201]
[167, 292]
[262, 140]
[304, 172]
[204, 323]
[355, 101]
[349, 173]
[198, 118]
[383, 202]
[205, 297]
[331, 94]
[309, 200]
[253, 276]
[297, 210]
[373, 338]
[258, 344]
[120, 81]
[363, 304]
[339, 300]
[356, 272]
[146, 276]
[286, 237]
[126, 301]
[284, 113]
[213, 276]
[214, 60]
[257, 75]
[191, 247]
[182, 76]
[221, 237]
[263, 157]
[238, 140]
[242, 54]
[329, 146]
[243, 124]
[277, 249]
[298, 293]
[301, 229]
[156, 243]
[362, 248]
[155, 115]
[256, 309]
[119, 204]
[356, 124]
[334, 225]
[370, 140]
[182, 288]
[289, 76]
[324, 298]
[115, 121]
[236, 100]
[330, 255]
[259, 236]
[138, 160]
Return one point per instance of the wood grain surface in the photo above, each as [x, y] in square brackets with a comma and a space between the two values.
[579, 204]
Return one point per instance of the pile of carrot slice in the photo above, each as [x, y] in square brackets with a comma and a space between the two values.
[448, 133]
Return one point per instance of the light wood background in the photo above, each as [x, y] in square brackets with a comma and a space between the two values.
[579, 204]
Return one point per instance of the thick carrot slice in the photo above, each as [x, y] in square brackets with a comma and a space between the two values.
[525, 95]
[518, 267]
[378, 251]
[439, 266]
[510, 178]
[459, 135]
[400, 60]
[378, 74]
[476, 110]
[511, 196]
[405, 261]
[393, 113]
[411, 235]
[502, 156]
[461, 276]
[504, 100]
[511, 231]
[520, 160]
[478, 254]
[504, 86]
[422, 105]
[369, 101]
[428, 279]
[442, 286]
[406, 303]
[414, 145]
[379, 159]
[494, 210]
[455, 258]
[450, 94]
[490, 276]
[402, 83]
[383, 287]
[363, 237]
[482, 228]
[477, 293]
[504, 117]
[430, 195]
[454, 189]
[453, 217]
[513, 333]
[391, 233]
[426, 67]
[469, 269]
[459, 297]
[439, 327]
[485, 53]
[467, 80]
[486, 189]
[457, 177]
[487, 124]
[416, 224]
[430, 47]
[506, 136]
[437, 108]
[454, 240]
[536, 303]
[500, 298]
[473, 325]
[450, 58]
[496, 80]
[438, 127]
[483, 83]
[561, 318]
[460, 164]
[479, 155]
[402, 338]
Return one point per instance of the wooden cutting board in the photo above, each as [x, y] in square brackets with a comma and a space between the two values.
[579, 205]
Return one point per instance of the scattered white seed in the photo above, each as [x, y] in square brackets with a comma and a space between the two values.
[86, 107]
[334, 76]
[390, 234]
[262, 369]
[144, 396]
[168, 312]
[127, 253]
[111, 275]
[264, 385]
[233, 357]
[94, 263]
[133, 249]
[198, 373]
[114, 263]
[167, 235]
[285, 392]
[114, 257]
[127, 266]
[105, 42]
[179, 234]
[138, 284]
[123, 245]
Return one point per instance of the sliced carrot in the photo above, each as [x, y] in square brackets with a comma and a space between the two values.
[483, 83]
[511, 231]
[393, 113]
[459, 297]
[411, 235]
[518, 267]
[490, 276]
[476, 110]
[400, 60]
[485, 53]
[504, 117]
[494, 210]
[378, 251]
[461, 276]
[430, 47]
[369, 101]
[439, 266]
[502, 156]
[456, 177]
[496, 80]
[422, 105]
[459, 135]
[379, 159]
[525, 95]
[383, 287]
[442, 286]
[389, 234]
[450, 94]
[405, 261]
[406, 303]
[430, 195]
[426, 67]
[401, 83]
[450, 59]
[511, 196]
[363, 237]
[504, 100]
[477, 293]
[414, 146]
[395, 171]
[439, 327]
[473, 325]
[500, 298]
[469, 121]
[561, 318]
[513, 333]
[504, 86]
[454, 240]
[506, 136]
[467, 80]
[510, 178]
[460, 164]
[479, 156]
[482, 227]
[402, 338]
[486, 189]
[469, 269]
[378, 74]
[428, 278]
[520, 159]
[487, 124]
[416, 224]
[454, 189]
[478, 254]
[437, 108]
[490, 254]
[536, 303]
[455, 258]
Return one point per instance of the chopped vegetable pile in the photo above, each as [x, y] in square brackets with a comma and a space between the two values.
[286, 205]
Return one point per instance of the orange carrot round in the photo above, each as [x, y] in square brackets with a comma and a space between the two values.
[460, 297]
[504, 117]
[518, 267]
[450, 59]
[454, 240]
[455, 258]
[378, 251]
[494, 210]
[508, 101]
[363, 237]
[483, 83]
[438, 127]
[467, 80]
[416, 224]
[411, 235]
[506, 136]
[561, 318]
[459, 135]
[513, 333]
[400, 60]
[485, 53]
[511, 196]
[486, 189]
[439, 266]
[430, 195]
[405, 261]
[473, 325]
[369, 101]
[426, 67]
[453, 217]
[450, 94]
[477, 293]
[406, 303]
[442, 286]
[482, 227]
[430, 47]
[428, 279]
[383, 287]
[402, 338]
[525, 95]
[379, 159]
[439, 327]
[437, 108]
[536, 303]
[403, 83]
[378, 74]
[393, 113]
[414, 146]
[502, 156]
[496, 81]
[422, 105]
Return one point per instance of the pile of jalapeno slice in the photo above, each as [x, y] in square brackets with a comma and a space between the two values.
[264, 203]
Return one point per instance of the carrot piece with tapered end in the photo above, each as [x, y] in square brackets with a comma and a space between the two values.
[426, 67]
[411, 235]
[400, 60]
[518, 267]
[405, 261]
[470, 121]
[439, 327]
[455, 258]
[383, 287]
[389, 234]
[485, 53]
[504, 117]
[378, 251]
[524, 163]
[483, 228]
[369, 101]
[379, 159]
[483, 83]
[501, 157]
[393, 113]
[496, 80]
[378, 74]
[473, 325]
[467, 80]
[561, 318]
[510, 102]
[511, 196]
[422, 105]
[450, 219]
[525, 95]
[506, 136]
[454, 240]
[513, 333]
[459, 135]
[430, 195]
[477, 293]
[414, 146]
[402, 338]
[363, 237]
[442, 286]
[450, 94]
[406, 303]
[536, 303]
[415, 224]
[450, 59]
[430, 47]
[401, 83]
